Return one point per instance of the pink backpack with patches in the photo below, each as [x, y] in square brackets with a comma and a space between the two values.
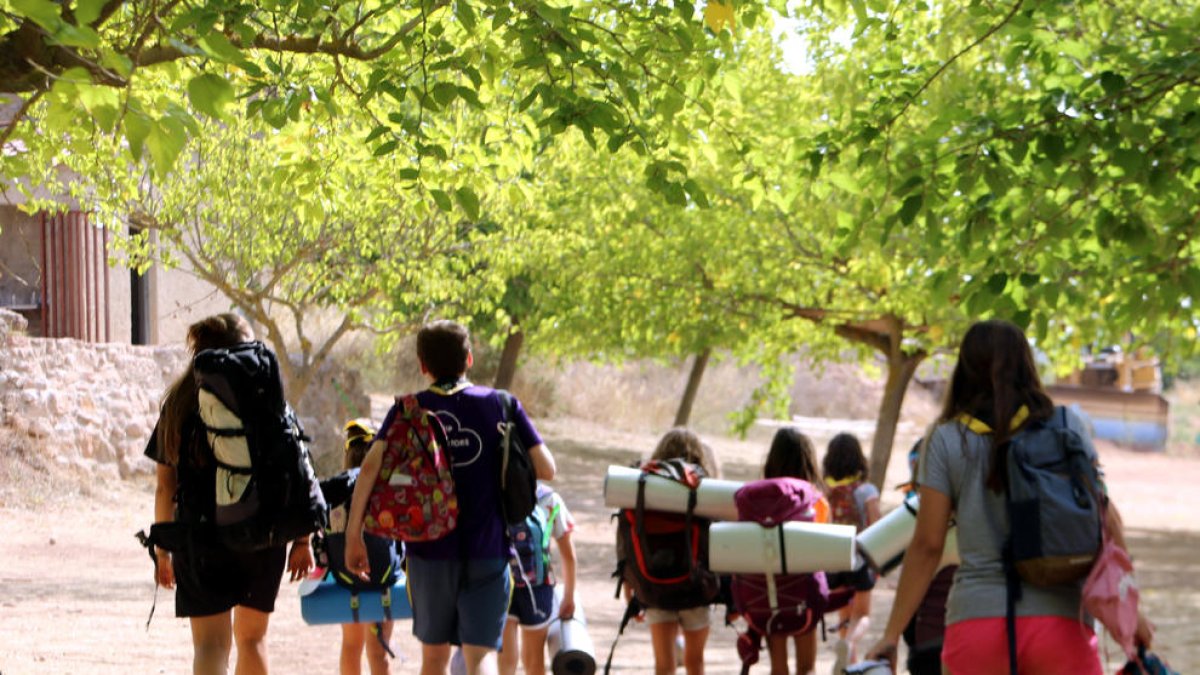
[1111, 594]
[413, 498]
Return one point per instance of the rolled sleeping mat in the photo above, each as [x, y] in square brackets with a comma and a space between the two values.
[325, 602]
[571, 648]
[749, 548]
[883, 544]
[714, 497]
[889, 536]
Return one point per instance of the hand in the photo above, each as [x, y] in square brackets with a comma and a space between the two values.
[164, 572]
[300, 560]
[1144, 634]
[566, 609]
[356, 558]
[884, 650]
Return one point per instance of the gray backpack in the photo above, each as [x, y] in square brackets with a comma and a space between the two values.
[1053, 504]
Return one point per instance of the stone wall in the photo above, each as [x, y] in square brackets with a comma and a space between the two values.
[88, 405]
[93, 406]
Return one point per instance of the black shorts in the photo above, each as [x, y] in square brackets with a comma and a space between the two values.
[211, 579]
[533, 606]
[862, 579]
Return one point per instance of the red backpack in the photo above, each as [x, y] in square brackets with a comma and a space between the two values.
[663, 557]
[413, 498]
[779, 604]
[843, 507]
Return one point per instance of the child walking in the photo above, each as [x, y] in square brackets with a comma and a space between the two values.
[852, 501]
[665, 624]
[792, 456]
[533, 600]
[359, 636]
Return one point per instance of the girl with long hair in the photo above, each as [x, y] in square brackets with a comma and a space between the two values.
[994, 393]
[227, 596]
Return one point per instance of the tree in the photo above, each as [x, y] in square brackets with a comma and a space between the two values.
[616, 70]
[855, 197]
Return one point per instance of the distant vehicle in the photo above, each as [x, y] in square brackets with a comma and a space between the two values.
[1120, 395]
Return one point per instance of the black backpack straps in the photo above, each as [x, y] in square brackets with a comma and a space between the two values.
[782, 548]
[377, 631]
[631, 610]
[1012, 584]
[148, 542]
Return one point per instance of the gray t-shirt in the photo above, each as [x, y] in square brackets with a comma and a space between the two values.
[955, 463]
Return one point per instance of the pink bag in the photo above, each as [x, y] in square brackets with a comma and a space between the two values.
[1111, 594]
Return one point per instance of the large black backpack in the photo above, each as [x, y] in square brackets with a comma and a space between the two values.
[267, 492]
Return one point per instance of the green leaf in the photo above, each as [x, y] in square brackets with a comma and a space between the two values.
[137, 128]
[910, 208]
[42, 12]
[844, 181]
[210, 94]
[77, 36]
[442, 200]
[469, 202]
[87, 11]
[465, 15]
[377, 132]
[165, 142]
[444, 93]
[409, 174]
[1112, 83]
[1052, 147]
[385, 148]
[220, 48]
[997, 283]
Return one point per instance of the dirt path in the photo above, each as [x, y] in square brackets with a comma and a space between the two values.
[75, 588]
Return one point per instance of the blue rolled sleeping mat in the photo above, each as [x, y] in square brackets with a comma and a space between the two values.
[324, 601]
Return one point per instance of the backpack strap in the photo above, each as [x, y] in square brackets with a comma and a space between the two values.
[1012, 583]
[377, 631]
[631, 610]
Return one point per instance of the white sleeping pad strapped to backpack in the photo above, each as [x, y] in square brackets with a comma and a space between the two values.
[232, 451]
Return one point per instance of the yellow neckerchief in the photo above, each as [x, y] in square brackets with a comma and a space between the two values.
[444, 390]
[844, 481]
[980, 427]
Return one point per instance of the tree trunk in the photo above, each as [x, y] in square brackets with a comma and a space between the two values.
[901, 368]
[508, 359]
[699, 363]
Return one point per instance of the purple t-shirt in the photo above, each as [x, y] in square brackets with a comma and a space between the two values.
[472, 418]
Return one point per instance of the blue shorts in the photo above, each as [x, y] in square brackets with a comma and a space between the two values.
[533, 606]
[462, 602]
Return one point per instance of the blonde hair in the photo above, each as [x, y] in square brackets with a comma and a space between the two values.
[182, 397]
[683, 443]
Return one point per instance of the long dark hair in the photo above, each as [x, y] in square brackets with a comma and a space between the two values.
[995, 376]
[844, 458]
[182, 398]
[791, 455]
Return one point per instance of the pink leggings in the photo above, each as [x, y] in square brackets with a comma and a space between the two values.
[1046, 645]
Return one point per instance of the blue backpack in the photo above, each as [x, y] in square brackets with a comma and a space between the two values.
[531, 540]
[1053, 497]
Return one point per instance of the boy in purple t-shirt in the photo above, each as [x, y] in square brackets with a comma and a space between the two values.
[459, 584]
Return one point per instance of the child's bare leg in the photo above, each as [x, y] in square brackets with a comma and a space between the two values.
[806, 653]
[250, 634]
[662, 638]
[377, 659]
[533, 650]
[693, 650]
[510, 654]
[860, 621]
[212, 638]
[350, 662]
[777, 647]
